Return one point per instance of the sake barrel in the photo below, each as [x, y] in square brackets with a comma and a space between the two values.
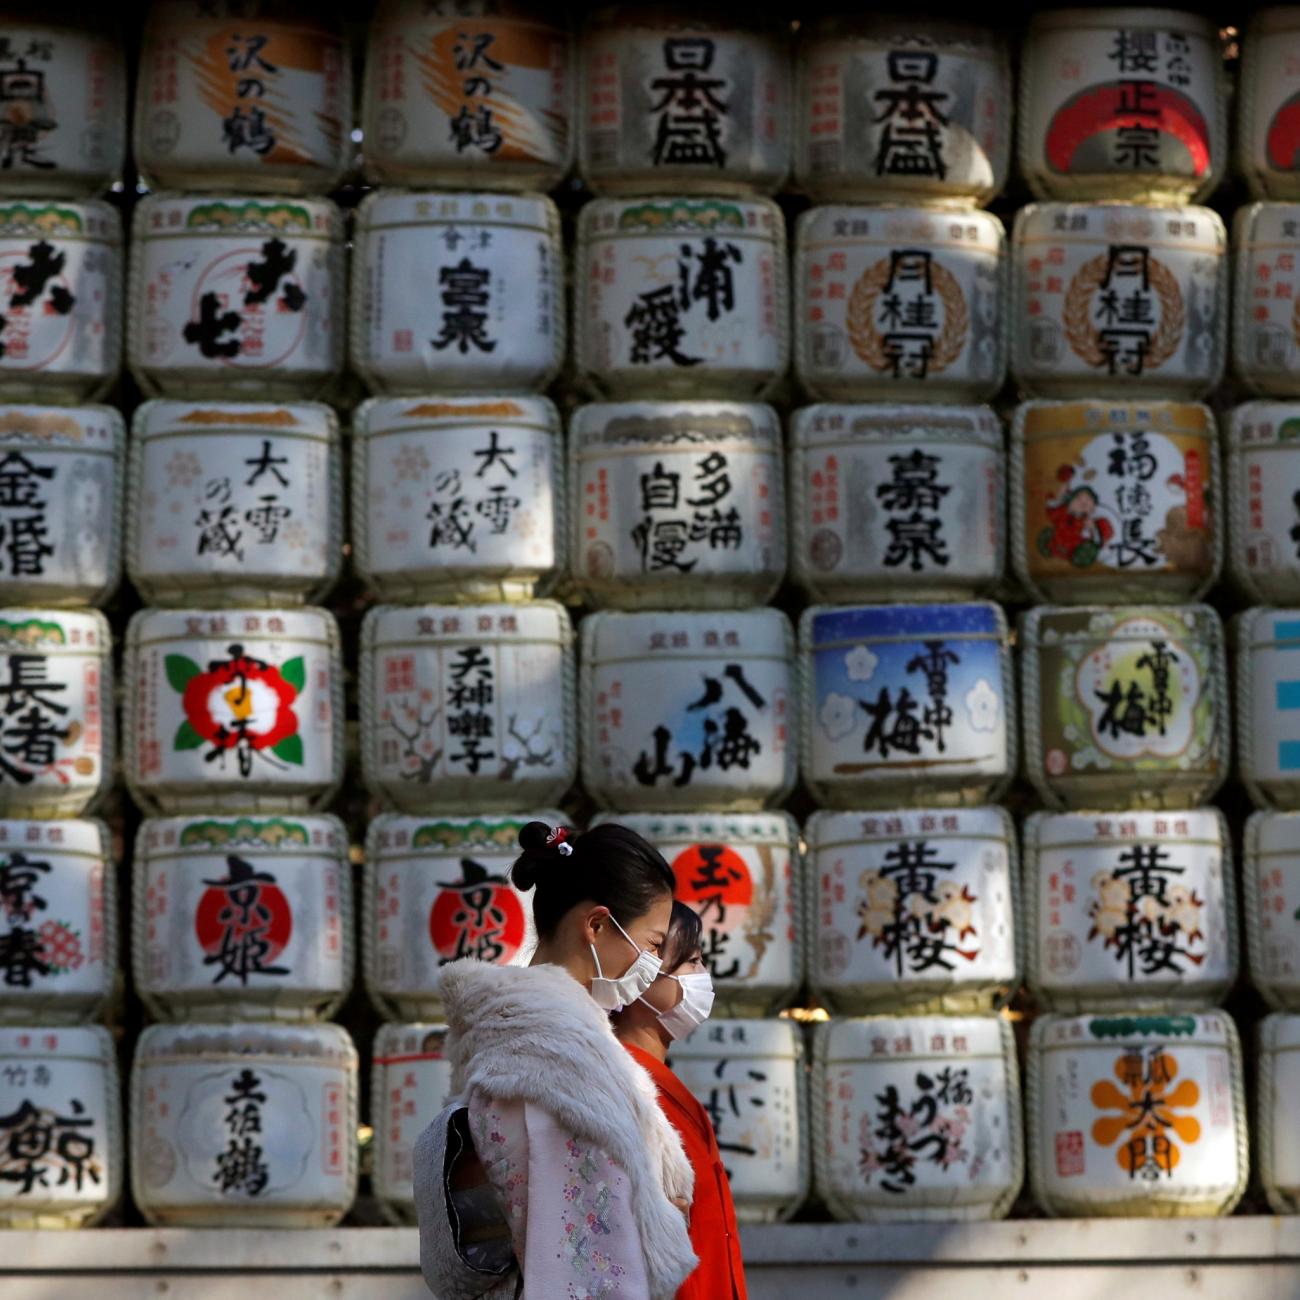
[61, 1125]
[1262, 456]
[467, 706]
[58, 921]
[892, 500]
[64, 89]
[742, 874]
[479, 94]
[251, 1126]
[1268, 135]
[1139, 1116]
[233, 98]
[61, 487]
[1136, 911]
[57, 718]
[1267, 660]
[916, 1118]
[749, 1076]
[1124, 706]
[458, 498]
[1115, 501]
[1265, 308]
[61, 299]
[1122, 104]
[457, 292]
[906, 704]
[235, 296]
[681, 296]
[1277, 1143]
[903, 304]
[685, 712]
[684, 100]
[236, 710]
[912, 909]
[677, 505]
[410, 1082]
[235, 503]
[892, 108]
[436, 889]
[1118, 300]
[242, 918]
[1270, 879]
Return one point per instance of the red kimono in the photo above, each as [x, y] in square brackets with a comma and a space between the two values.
[721, 1274]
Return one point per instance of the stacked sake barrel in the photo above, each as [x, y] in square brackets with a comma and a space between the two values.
[61, 476]
[243, 1097]
[1134, 1091]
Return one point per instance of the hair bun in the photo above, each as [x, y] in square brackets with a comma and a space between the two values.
[542, 847]
[534, 836]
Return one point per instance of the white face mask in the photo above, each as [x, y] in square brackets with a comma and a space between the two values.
[693, 1009]
[614, 994]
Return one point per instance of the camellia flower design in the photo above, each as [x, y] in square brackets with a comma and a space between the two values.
[241, 705]
[1147, 1119]
[61, 947]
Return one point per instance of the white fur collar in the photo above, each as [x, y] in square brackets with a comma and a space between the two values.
[532, 1033]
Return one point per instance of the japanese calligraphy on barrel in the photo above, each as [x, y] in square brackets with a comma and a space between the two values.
[1270, 879]
[1276, 1137]
[1268, 104]
[1262, 456]
[1265, 302]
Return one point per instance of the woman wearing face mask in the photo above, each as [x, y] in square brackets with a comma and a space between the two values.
[676, 1003]
[568, 1178]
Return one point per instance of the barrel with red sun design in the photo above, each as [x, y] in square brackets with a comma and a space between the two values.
[1268, 104]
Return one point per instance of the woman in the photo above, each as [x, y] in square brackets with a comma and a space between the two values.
[590, 1177]
[676, 1003]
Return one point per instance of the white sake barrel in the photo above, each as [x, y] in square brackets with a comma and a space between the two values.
[61, 488]
[235, 297]
[681, 297]
[749, 1076]
[1115, 501]
[458, 498]
[742, 873]
[1262, 454]
[236, 710]
[242, 918]
[457, 293]
[912, 909]
[410, 1082]
[61, 1127]
[236, 503]
[677, 505]
[64, 90]
[435, 890]
[906, 704]
[1267, 664]
[1124, 706]
[478, 94]
[688, 711]
[468, 706]
[887, 501]
[1277, 1142]
[892, 107]
[1136, 911]
[57, 717]
[233, 98]
[1118, 300]
[58, 921]
[1122, 104]
[1265, 304]
[1138, 1116]
[251, 1126]
[683, 100]
[61, 299]
[1270, 880]
[1268, 104]
[916, 1118]
[902, 304]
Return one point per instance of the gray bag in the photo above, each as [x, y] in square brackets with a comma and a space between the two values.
[465, 1245]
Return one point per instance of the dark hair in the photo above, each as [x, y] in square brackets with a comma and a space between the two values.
[610, 864]
[685, 932]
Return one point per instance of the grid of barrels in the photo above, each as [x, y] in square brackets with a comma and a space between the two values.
[673, 507]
